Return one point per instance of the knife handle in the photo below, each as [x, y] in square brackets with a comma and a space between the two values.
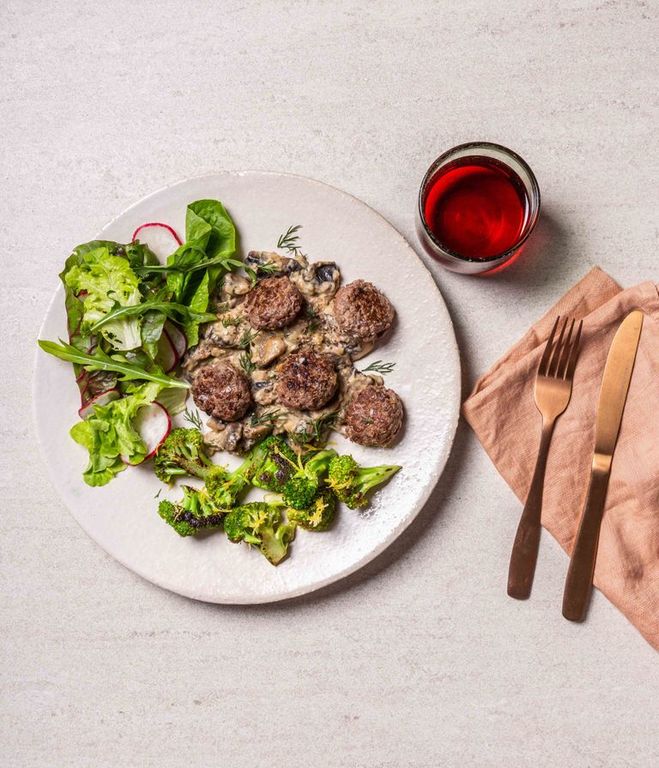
[579, 581]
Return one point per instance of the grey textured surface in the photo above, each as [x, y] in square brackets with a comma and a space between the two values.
[421, 660]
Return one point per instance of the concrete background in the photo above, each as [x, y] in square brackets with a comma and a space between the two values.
[420, 660]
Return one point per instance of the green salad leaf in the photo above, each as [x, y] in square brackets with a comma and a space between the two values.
[120, 364]
[118, 298]
[109, 436]
[177, 312]
[103, 282]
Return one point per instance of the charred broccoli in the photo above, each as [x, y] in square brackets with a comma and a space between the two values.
[273, 462]
[260, 524]
[318, 516]
[182, 453]
[304, 484]
[351, 483]
[193, 513]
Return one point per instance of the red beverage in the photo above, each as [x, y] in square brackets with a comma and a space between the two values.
[477, 207]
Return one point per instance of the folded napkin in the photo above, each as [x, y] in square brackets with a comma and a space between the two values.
[502, 412]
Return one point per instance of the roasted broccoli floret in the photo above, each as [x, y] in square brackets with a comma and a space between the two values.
[273, 462]
[351, 483]
[193, 513]
[260, 524]
[182, 453]
[318, 516]
[224, 487]
[303, 486]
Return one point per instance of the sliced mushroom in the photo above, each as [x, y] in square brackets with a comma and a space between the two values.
[269, 263]
[235, 285]
[266, 348]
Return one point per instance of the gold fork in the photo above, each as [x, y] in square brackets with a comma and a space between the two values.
[552, 392]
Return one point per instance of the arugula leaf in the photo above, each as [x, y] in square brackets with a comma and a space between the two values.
[100, 361]
[110, 438]
[177, 312]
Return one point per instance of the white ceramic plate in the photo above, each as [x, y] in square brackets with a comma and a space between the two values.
[122, 517]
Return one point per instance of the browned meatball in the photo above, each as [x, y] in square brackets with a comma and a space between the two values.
[273, 303]
[373, 417]
[221, 391]
[361, 311]
[306, 380]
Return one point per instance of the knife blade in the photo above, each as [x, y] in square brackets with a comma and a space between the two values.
[616, 379]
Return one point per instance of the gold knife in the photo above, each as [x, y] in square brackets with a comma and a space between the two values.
[613, 394]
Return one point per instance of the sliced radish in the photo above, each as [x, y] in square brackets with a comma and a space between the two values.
[160, 238]
[177, 337]
[153, 424]
[103, 398]
[167, 356]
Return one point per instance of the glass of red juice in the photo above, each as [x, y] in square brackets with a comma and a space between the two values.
[478, 204]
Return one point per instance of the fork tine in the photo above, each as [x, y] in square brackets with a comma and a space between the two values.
[553, 363]
[542, 368]
[565, 353]
[574, 353]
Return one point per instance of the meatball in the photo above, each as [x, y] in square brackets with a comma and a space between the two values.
[273, 303]
[221, 391]
[362, 311]
[306, 380]
[373, 416]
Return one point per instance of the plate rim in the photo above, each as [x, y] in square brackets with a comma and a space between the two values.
[438, 468]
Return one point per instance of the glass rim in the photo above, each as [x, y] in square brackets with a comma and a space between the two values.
[440, 160]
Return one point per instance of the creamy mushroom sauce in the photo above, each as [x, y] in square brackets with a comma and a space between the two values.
[257, 353]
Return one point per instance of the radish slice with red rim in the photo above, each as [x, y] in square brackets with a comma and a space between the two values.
[103, 398]
[160, 238]
[177, 337]
[153, 424]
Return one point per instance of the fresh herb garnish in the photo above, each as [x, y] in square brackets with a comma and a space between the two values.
[247, 338]
[269, 417]
[267, 269]
[193, 417]
[378, 366]
[316, 429]
[246, 363]
[313, 319]
[289, 240]
[228, 322]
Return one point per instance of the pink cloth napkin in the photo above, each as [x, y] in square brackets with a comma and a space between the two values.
[502, 412]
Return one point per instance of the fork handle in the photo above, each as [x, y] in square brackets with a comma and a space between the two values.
[524, 556]
[579, 580]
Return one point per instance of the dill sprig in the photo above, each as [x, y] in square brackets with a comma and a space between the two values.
[289, 241]
[269, 417]
[229, 321]
[263, 269]
[193, 417]
[379, 366]
[313, 319]
[246, 363]
[247, 338]
[315, 432]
